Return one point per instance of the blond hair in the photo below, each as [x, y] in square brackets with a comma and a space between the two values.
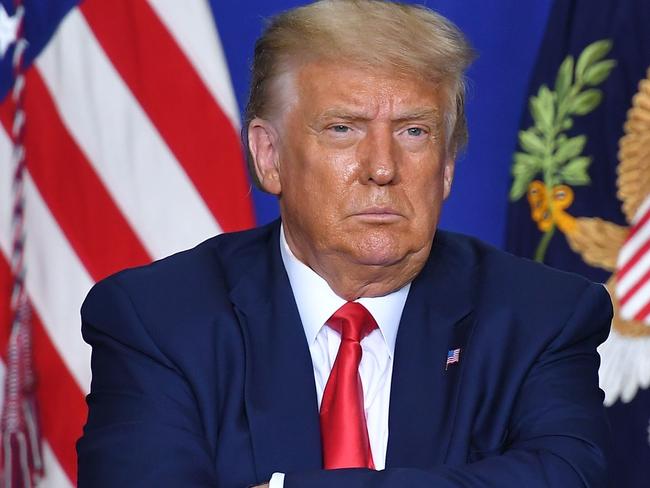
[408, 39]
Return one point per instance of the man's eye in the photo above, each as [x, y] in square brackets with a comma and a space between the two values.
[341, 129]
[415, 131]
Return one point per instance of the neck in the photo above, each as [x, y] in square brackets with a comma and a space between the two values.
[351, 280]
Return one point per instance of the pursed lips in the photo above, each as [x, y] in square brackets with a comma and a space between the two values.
[378, 214]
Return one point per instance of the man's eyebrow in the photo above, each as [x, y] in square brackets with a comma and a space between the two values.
[424, 114]
[351, 114]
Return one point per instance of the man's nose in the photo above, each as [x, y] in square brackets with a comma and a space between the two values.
[379, 157]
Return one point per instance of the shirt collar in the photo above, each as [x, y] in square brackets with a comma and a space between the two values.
[317, 302]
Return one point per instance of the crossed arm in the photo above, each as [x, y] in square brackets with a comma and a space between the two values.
[143, 431]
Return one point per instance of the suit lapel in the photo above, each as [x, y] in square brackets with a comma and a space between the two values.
[280, 395]
[437, 318]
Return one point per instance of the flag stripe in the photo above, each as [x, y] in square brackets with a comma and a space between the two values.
[131, 159]
[643, 212]
[632, 309]
[638, 306]
[635, 288]
[63, 409]
[200, 43]
[174, 97]
[86, 213]
[631, 266]
[644, 218]
[55, 477]
[638, 235]
[56, 280]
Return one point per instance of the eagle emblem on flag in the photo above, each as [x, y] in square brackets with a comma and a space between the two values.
[623, 250]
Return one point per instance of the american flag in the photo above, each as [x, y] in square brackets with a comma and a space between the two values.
[453, 356]
[633, 268]
[132, 153]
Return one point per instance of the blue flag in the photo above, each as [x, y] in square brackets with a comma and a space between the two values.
[580, 196]
[41, 20]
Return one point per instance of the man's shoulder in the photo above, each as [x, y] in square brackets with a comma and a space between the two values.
[211, 258]
[526, 298]
[209, 269]
[501, 280]
[493, 266]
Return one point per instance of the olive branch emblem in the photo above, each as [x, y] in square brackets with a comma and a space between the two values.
[547, 149]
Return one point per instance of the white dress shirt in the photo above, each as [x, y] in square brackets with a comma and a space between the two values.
[316, 303]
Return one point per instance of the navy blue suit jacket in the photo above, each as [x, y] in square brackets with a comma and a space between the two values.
[202, 375]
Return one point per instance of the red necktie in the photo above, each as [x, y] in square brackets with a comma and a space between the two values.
[342, 418]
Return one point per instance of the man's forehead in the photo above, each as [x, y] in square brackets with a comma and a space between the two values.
[334, 89]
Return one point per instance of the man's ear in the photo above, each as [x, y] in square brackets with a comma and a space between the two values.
[448, 175]
[263, 144]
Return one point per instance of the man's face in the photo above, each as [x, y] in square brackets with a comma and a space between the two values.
[361, 165]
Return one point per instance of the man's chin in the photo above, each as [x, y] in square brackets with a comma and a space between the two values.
[381, 257]
[378, 245]
[387, 249]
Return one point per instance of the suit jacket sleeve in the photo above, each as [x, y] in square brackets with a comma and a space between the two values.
[143, 427]
[558, 435]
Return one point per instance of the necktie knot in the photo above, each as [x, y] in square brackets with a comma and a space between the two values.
[353, 321]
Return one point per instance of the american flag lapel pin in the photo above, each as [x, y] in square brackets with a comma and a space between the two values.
[453, 356]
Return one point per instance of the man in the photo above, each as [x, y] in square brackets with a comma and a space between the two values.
[353, 344]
